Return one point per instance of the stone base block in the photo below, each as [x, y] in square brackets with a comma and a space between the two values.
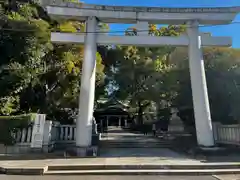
[95, 139]
[36, 150]
[208, 151]
[91, 151]
[47, 148]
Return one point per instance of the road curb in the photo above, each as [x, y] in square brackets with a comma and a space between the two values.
[146, 172]
[142, 166]
[203, 169]
[24, 171]
[216, 177]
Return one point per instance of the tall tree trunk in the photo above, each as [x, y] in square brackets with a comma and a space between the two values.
[12, 5]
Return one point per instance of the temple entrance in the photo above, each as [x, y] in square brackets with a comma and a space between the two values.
[114, 120]
[193, 18]
[111, 113]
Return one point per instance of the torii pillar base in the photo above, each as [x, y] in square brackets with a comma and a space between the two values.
[90, 151]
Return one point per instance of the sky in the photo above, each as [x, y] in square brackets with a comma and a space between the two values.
[232, 30]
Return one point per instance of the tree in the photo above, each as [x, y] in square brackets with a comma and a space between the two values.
[139, 71]
[222, 72]
[36, 75]
[23, 42]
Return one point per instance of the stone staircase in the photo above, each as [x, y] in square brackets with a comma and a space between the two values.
[136, 144]
[133, 141]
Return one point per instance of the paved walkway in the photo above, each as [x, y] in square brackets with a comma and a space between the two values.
[117, 135]
[158, 153]
[122, 136]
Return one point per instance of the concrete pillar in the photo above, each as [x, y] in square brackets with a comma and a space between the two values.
[107, 122]
[199, 87]
[119, 122]
[86, 101]
[142, 28]
[101, 125]
[125, 122]
[47, 146]
[37, 132]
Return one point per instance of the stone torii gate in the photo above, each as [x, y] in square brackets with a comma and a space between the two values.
[142, 16]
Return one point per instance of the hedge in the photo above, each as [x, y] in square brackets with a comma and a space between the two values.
[10, 125]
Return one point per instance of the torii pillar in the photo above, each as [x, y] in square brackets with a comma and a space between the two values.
[203, 122]
[87, 91]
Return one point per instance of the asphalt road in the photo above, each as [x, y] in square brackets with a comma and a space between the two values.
[62, 177]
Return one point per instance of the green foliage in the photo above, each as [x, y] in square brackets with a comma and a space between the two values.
[142, 74]
[222, 72]
[8, 105]
[10, 124]
[25, 118]
[36, 75]
[24, 40]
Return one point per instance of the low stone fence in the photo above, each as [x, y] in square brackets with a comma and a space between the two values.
[54, 136]
[40, 136]
[226, 134]
[67, 132]
[66, 136]
[24, 135]
[23, 139]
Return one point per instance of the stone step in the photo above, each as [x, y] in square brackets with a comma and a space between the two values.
[106, 142]
[111, 169]
[99, 167]
[137, 142]
[146, 172]
[135, 146]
